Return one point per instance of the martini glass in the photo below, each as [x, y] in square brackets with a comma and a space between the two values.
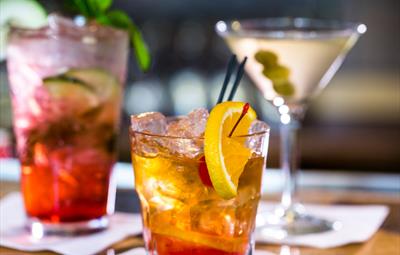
[290, 60]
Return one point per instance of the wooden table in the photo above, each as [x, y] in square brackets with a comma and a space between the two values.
[385, 242]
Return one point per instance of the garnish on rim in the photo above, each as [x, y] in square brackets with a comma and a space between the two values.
[98, 10]
[19, 13]
[244, 111]
[203, 170]
[226, 156]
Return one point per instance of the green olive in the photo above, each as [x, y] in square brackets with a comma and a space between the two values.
[284, 88]
[266, 58]
[277, 73]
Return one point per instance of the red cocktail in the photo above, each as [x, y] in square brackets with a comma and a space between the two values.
[66, 85]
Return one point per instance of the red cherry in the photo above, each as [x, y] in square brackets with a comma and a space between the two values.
[203, 173]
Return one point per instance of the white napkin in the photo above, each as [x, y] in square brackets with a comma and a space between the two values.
[141, 251]
[13, 235]
[357, 224]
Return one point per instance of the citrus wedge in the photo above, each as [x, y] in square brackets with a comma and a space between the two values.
[20, 13]
[76, 96]
[105, 84]
[226, 156]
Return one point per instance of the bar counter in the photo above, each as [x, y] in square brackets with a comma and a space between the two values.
[385, 241]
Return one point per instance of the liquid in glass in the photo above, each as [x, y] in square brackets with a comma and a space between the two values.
[182, 213]
[66, 86]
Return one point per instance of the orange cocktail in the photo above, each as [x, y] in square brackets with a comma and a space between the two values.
[184, 209]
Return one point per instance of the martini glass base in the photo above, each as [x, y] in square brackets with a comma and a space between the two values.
[294, 221]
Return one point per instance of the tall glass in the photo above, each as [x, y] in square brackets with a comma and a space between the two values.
[66, 86]
[182, 215]
[290, 60]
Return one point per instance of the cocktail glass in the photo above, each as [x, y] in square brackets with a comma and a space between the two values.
[290, 60]
[66, 86]
[182, 215]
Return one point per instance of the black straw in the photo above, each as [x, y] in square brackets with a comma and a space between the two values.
[231, 66]
[239, 76]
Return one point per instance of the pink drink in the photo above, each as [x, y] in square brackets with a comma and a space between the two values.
[66, 86]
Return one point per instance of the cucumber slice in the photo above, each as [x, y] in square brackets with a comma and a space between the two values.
[21, 13]
[107, 89]
[105, 84]
[76, 97]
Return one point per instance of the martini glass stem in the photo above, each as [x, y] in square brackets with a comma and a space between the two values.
[289, 162]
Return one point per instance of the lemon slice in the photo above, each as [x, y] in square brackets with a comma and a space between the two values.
[226, 156]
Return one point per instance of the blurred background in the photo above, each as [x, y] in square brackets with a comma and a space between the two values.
[354, 124]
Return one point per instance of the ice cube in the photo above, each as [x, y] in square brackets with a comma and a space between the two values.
[258, 142]
[163, 194]
[192, 125]
[197, 120]
[214, 217]
[181, 182]
[145, 145]
[186, 147]
[189, 129]
[89, 33]
[258, 126]
[178, 128]
[243, 214]
[149, 122]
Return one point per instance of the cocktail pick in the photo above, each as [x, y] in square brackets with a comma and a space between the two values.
[244, 111]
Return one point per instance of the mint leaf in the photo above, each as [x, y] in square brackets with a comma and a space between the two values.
[94, 10]
[104, 5]
[82, 7]
[97, 10]
[117, 19]
[103, 20]
[141, 50]
[121, 20]
[98, 7]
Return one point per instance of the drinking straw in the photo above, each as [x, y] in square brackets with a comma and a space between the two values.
[239, 76]
[231, 65]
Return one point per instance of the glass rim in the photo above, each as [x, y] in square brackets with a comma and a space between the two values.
[288, 27]
[259, 133]
[46, 30]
